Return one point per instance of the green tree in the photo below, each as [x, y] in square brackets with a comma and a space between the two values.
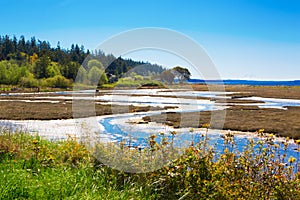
[182, 74]
[40, 67]
[82, 76]
[94, 75]
[11, 73]
[70, 69]
[53, 70]
[97, 76]
[103, 78]
[3, 72]
[95, 63]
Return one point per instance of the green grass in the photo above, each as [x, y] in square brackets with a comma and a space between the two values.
[59, 183]
[32, 168]
[137, 83]
[35, 168]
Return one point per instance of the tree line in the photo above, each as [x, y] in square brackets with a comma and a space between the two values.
[33, 63]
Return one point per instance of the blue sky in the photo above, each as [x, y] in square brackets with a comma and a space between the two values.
[254, 39]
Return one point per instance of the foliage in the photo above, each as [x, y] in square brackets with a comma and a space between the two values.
[20, 57]
[82, 76]
[120, 66]
[29, 81]
[95, 63]
[31, 167]
[138, 82]
[97, 76]
[53, 70]
[182, 74]
[57, 81]
[11, 73]
[255, 173]
[40, 67]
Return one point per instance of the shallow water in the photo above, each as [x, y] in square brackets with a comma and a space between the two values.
[137, 135]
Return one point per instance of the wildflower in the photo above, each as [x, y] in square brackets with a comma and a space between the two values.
[35, 141]
[226, 150]
[191, 130]
[205, 125]
[229, 134]
[173, 133]
[260, 142]
[291, 159]
[297, 142]
[50, 158]
[260, 131]
[270, 135]
[152, 137]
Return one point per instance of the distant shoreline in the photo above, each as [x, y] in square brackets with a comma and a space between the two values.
[247, 82]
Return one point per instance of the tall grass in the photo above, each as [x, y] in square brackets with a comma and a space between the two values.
[35, 168]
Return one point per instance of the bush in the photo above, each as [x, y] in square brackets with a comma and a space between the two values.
[29, 82]
[57, 81]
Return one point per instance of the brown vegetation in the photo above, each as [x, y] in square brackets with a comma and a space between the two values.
[16, 110]
[240, 118]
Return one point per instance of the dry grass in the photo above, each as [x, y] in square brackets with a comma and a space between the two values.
[15, 110]
[283, 92]
[241, 118]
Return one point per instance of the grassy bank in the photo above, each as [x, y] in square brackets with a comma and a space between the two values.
[34, 168]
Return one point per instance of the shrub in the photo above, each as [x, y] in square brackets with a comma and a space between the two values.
[57, 81]
[29, 81]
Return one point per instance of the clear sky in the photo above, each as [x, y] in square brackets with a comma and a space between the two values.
[254, 39]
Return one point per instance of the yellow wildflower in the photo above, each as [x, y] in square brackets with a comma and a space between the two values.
[173, 132]
[35, 141]
[261, 130]
[205, 125]
[291, 159]
[226, 150]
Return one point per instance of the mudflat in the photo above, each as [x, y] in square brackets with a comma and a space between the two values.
[282, 122]
[18, 110]
[240, 117]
